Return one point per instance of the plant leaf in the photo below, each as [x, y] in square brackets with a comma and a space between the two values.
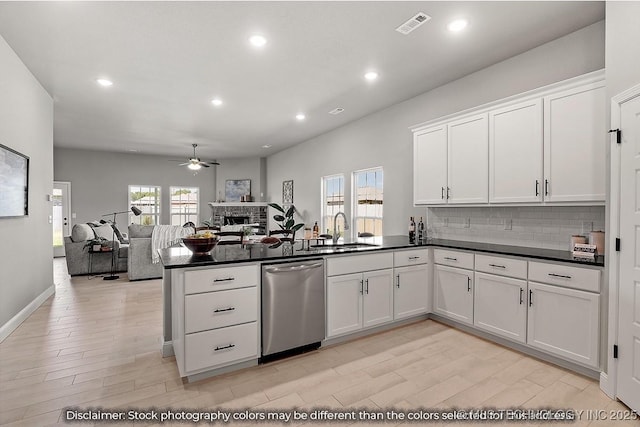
[290, 212]
[276, 207]
[289, 224]
[278, 217]
[297, 227]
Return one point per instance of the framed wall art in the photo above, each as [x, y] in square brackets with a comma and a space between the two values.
[14, 183]
[234, 189]
[287, 191]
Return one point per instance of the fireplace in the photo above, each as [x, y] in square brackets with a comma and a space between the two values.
[235, 220]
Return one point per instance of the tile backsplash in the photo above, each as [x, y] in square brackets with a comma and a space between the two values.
[549, 227]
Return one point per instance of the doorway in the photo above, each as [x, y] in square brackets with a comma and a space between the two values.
[61, 204]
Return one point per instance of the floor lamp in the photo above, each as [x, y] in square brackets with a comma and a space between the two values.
[112, 276]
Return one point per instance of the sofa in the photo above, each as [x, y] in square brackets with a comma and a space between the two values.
[78, 256]
[139, 261]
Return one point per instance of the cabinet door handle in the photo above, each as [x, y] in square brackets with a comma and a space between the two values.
[225, 347]
[366, 289]
[450, 258]
[537, 187]
[546, 187]
[530, 297]
[521, 292]
[398, 281]
[442, 196]
[361, 287]
[448, 189]
[559, 275]
[497, 266]
[411, 258]
[468, 284]
[222, 310]
[226, 279]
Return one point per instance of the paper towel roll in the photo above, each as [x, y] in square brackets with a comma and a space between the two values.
[597, 238]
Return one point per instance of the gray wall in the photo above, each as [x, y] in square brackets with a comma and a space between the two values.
[242, 168]
[100, 180]
[623, 39]
[383, 139]
[26, 125]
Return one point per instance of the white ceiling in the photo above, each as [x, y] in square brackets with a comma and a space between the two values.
[169, 59]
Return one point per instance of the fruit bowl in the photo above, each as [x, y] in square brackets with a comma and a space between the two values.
[200, 245]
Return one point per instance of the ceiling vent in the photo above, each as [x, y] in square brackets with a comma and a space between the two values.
[413, 23]
[336, 111]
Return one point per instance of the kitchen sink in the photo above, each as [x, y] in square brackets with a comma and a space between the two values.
[345, 246]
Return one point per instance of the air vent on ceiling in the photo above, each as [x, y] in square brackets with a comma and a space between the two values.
[336, 111]
[413, 23]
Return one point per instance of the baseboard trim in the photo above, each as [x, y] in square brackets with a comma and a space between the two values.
[15, 321]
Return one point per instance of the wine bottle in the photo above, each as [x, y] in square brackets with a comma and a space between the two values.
[420, 231]
[412, 230]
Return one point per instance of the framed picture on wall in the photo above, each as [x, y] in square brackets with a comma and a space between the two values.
[234, 189]
[287, 192]
[14, 183]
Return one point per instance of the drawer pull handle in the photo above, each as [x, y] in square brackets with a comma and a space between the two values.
[413, 257]
[559, 275]
[222, 310]
[521, 291]
[450, 258]
[468, 284]
[497, 266]
[227, 279]
[226, 347]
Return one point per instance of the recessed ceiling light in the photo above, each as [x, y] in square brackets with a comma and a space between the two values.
[258, 41]
[216, 101]
[371, 76]
[457, 25]
[300, 116]
[104, 82]
[267, 146]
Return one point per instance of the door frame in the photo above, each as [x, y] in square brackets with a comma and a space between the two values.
[609, 379]
[68, 184]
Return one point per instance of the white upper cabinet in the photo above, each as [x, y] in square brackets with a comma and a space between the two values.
[468, 169]
[575, 141]
[430, 166]
[515, 153]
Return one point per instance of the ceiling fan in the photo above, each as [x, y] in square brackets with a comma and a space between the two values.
[194, 163]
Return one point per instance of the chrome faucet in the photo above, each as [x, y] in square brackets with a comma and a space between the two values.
[336, 236]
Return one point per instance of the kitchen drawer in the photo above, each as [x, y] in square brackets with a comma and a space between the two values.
[502, 266]
[411, 257]
[211, 349]
[219, 279]
[358, 263]
[585, 279]
[453, 258]
[219, 309]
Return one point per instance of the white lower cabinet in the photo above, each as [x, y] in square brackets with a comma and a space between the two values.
[564, 322]
[500, 306]
[411, 293]
[453, 293]
[359, 300]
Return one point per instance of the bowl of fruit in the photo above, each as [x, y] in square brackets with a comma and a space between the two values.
[200, 243]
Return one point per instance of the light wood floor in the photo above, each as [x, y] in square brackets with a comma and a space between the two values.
[97, 344]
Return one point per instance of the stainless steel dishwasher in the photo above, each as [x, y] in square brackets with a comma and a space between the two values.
[292, 307]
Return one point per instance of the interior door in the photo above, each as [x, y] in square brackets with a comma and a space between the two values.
[61, 215]
[629, 291]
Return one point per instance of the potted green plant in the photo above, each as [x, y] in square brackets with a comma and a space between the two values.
[284, 218]
[96, 244]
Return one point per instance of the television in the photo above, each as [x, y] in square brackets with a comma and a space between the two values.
[14, 183]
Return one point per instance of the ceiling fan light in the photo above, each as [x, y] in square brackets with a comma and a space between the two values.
[194, 166]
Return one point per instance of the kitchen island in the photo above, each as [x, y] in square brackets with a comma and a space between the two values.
[235, 269]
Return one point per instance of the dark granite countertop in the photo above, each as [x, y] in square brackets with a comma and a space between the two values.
[181, 257]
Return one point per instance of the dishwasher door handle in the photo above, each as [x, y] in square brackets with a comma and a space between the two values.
[287, 269]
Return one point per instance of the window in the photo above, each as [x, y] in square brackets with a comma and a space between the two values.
[368, 201]
[147, 199]
[332, 202]
[184, 205]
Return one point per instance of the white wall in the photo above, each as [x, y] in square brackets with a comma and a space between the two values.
[383, 138]
[623, 38]
[26, 125]
[100, 181]
[242, 168]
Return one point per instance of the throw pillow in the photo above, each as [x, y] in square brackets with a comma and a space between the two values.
[105, 231]
[81, 232]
